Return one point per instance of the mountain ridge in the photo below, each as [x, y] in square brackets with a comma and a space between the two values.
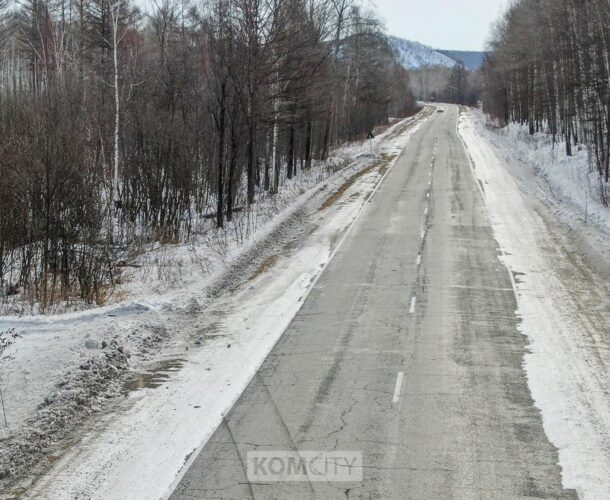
[470, 58]
[416, 55]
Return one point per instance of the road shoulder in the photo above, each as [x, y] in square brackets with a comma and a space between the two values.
[564, 308]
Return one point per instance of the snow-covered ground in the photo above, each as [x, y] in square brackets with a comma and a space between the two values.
[569, 181]
[178, 345]
[542, 214]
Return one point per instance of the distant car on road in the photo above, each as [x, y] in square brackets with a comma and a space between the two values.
[439, 110]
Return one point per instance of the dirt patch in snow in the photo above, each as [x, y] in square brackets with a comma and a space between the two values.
[333, 198]
[266, 265]
[381, 166]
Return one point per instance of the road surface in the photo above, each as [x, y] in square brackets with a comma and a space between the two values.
[407, 349]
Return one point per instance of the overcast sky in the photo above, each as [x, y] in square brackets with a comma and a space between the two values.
[443, 24]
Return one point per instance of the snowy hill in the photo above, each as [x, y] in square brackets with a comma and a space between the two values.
[414, 55]
[472, 60]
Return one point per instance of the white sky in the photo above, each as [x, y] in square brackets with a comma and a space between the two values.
[442, 24]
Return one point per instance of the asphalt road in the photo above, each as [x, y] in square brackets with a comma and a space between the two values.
[416, 289]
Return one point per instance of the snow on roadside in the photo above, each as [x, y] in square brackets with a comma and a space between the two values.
[217, 343]
[565, 314]
[568, 180]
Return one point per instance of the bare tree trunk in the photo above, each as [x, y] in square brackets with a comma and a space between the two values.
[115, 46]
[221, 150]
[268, 156]
[275, 156]
[290, 167]
[252, 161]
[232, 170]
[308, 142]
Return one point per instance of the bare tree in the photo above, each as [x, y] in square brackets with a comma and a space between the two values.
[549, 69]
[190, 114]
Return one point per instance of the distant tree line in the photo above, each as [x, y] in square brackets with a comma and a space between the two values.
[118, 126]
[549, 69]
[463, 86]
[457, 85]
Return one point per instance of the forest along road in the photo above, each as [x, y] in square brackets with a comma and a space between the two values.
[406, 349]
